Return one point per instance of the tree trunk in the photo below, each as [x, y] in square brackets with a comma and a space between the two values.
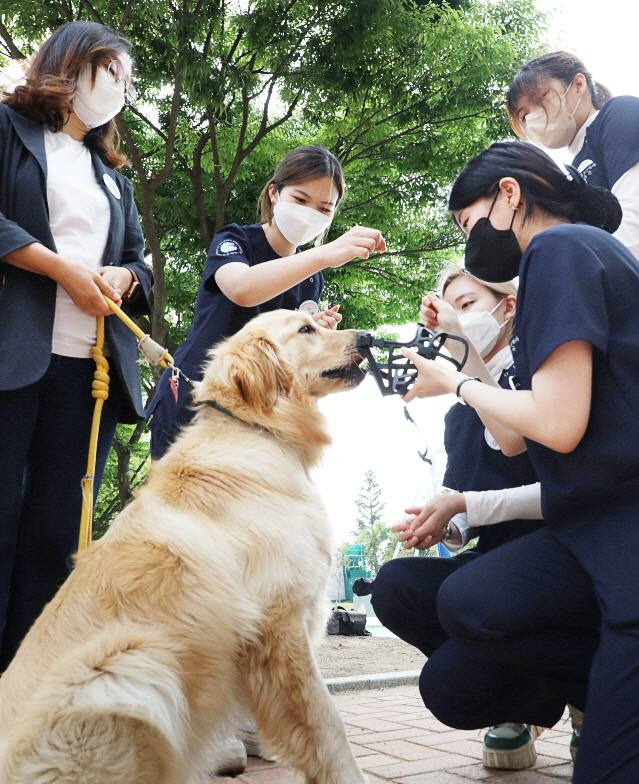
[124, 461]
[195, 175]
[158, 324]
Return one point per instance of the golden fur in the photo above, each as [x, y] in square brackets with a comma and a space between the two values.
[205, 596]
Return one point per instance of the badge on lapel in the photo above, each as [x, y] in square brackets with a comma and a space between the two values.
[111, 185]
[309, 306]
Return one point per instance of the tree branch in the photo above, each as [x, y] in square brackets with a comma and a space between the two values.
[365, 151]
[88, 5]
[234, 45]
[159, 177]
[195, 174]
[374, 197]
[12, 49]
[427, 249]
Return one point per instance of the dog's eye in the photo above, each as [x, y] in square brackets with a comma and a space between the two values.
[307, 329]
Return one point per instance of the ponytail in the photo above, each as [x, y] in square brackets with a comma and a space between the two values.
[602, 94]
[595, 206]
[543, 184]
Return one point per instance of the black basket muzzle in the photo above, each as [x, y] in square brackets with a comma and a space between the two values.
[395, 374]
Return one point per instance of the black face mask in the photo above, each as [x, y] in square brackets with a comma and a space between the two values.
[492, 254]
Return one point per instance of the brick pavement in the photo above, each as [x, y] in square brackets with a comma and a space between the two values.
[396, 740]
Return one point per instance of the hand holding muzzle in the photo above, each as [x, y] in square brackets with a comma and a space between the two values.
[395, 373]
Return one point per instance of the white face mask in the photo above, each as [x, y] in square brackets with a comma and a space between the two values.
[96, 104]
[299, 224]
[482, 329]
[556, 131]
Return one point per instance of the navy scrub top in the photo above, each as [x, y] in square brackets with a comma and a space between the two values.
[611, 145]
[576, 282]
[217, 318]
[475, 462]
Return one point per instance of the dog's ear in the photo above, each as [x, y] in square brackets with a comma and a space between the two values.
[259, 373]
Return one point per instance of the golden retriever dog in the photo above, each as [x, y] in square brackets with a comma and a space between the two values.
[205, 596]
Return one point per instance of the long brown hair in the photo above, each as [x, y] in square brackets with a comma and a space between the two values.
[297, 166]
[52, 76]
[555, 65]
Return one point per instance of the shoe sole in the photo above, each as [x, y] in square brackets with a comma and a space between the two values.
[514, 759]
[510, 759]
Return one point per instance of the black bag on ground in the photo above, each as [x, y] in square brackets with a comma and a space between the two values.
[350, 624]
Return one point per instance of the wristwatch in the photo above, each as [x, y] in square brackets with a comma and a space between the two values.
[461, 384]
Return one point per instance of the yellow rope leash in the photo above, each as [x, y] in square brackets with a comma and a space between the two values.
[156, 355]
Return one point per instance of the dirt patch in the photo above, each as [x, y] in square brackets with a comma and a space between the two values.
[341, 656]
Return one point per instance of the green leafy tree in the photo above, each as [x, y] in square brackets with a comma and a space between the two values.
[379, 545]
[403, 92]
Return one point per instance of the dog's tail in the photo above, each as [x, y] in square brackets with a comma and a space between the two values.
[112, 710]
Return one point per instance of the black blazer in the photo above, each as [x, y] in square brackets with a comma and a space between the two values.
[27, 300]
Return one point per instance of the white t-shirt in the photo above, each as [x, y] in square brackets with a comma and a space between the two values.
[80, 218]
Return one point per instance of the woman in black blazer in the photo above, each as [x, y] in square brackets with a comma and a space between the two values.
[69, 232]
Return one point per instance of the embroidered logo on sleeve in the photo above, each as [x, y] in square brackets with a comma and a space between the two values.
[229, 248]
[586, 168]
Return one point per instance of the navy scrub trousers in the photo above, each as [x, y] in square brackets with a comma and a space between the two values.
[462, 687]
[41, 498]
[547, 624]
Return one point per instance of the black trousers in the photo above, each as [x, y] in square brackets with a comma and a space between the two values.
[463, 688]
[44, 440]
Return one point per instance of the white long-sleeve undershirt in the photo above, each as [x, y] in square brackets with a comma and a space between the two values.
[490, 507]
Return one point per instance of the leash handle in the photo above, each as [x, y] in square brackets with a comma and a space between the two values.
[155, 355]
[154, 352]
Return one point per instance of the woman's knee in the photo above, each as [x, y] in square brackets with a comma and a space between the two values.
[461, 607]
[437, 689]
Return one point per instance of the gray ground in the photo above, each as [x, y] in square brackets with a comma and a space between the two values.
[340, 656]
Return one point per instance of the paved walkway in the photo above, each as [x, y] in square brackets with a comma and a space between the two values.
[396, 740]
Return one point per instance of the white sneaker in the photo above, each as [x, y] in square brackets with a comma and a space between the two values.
[510, 746]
